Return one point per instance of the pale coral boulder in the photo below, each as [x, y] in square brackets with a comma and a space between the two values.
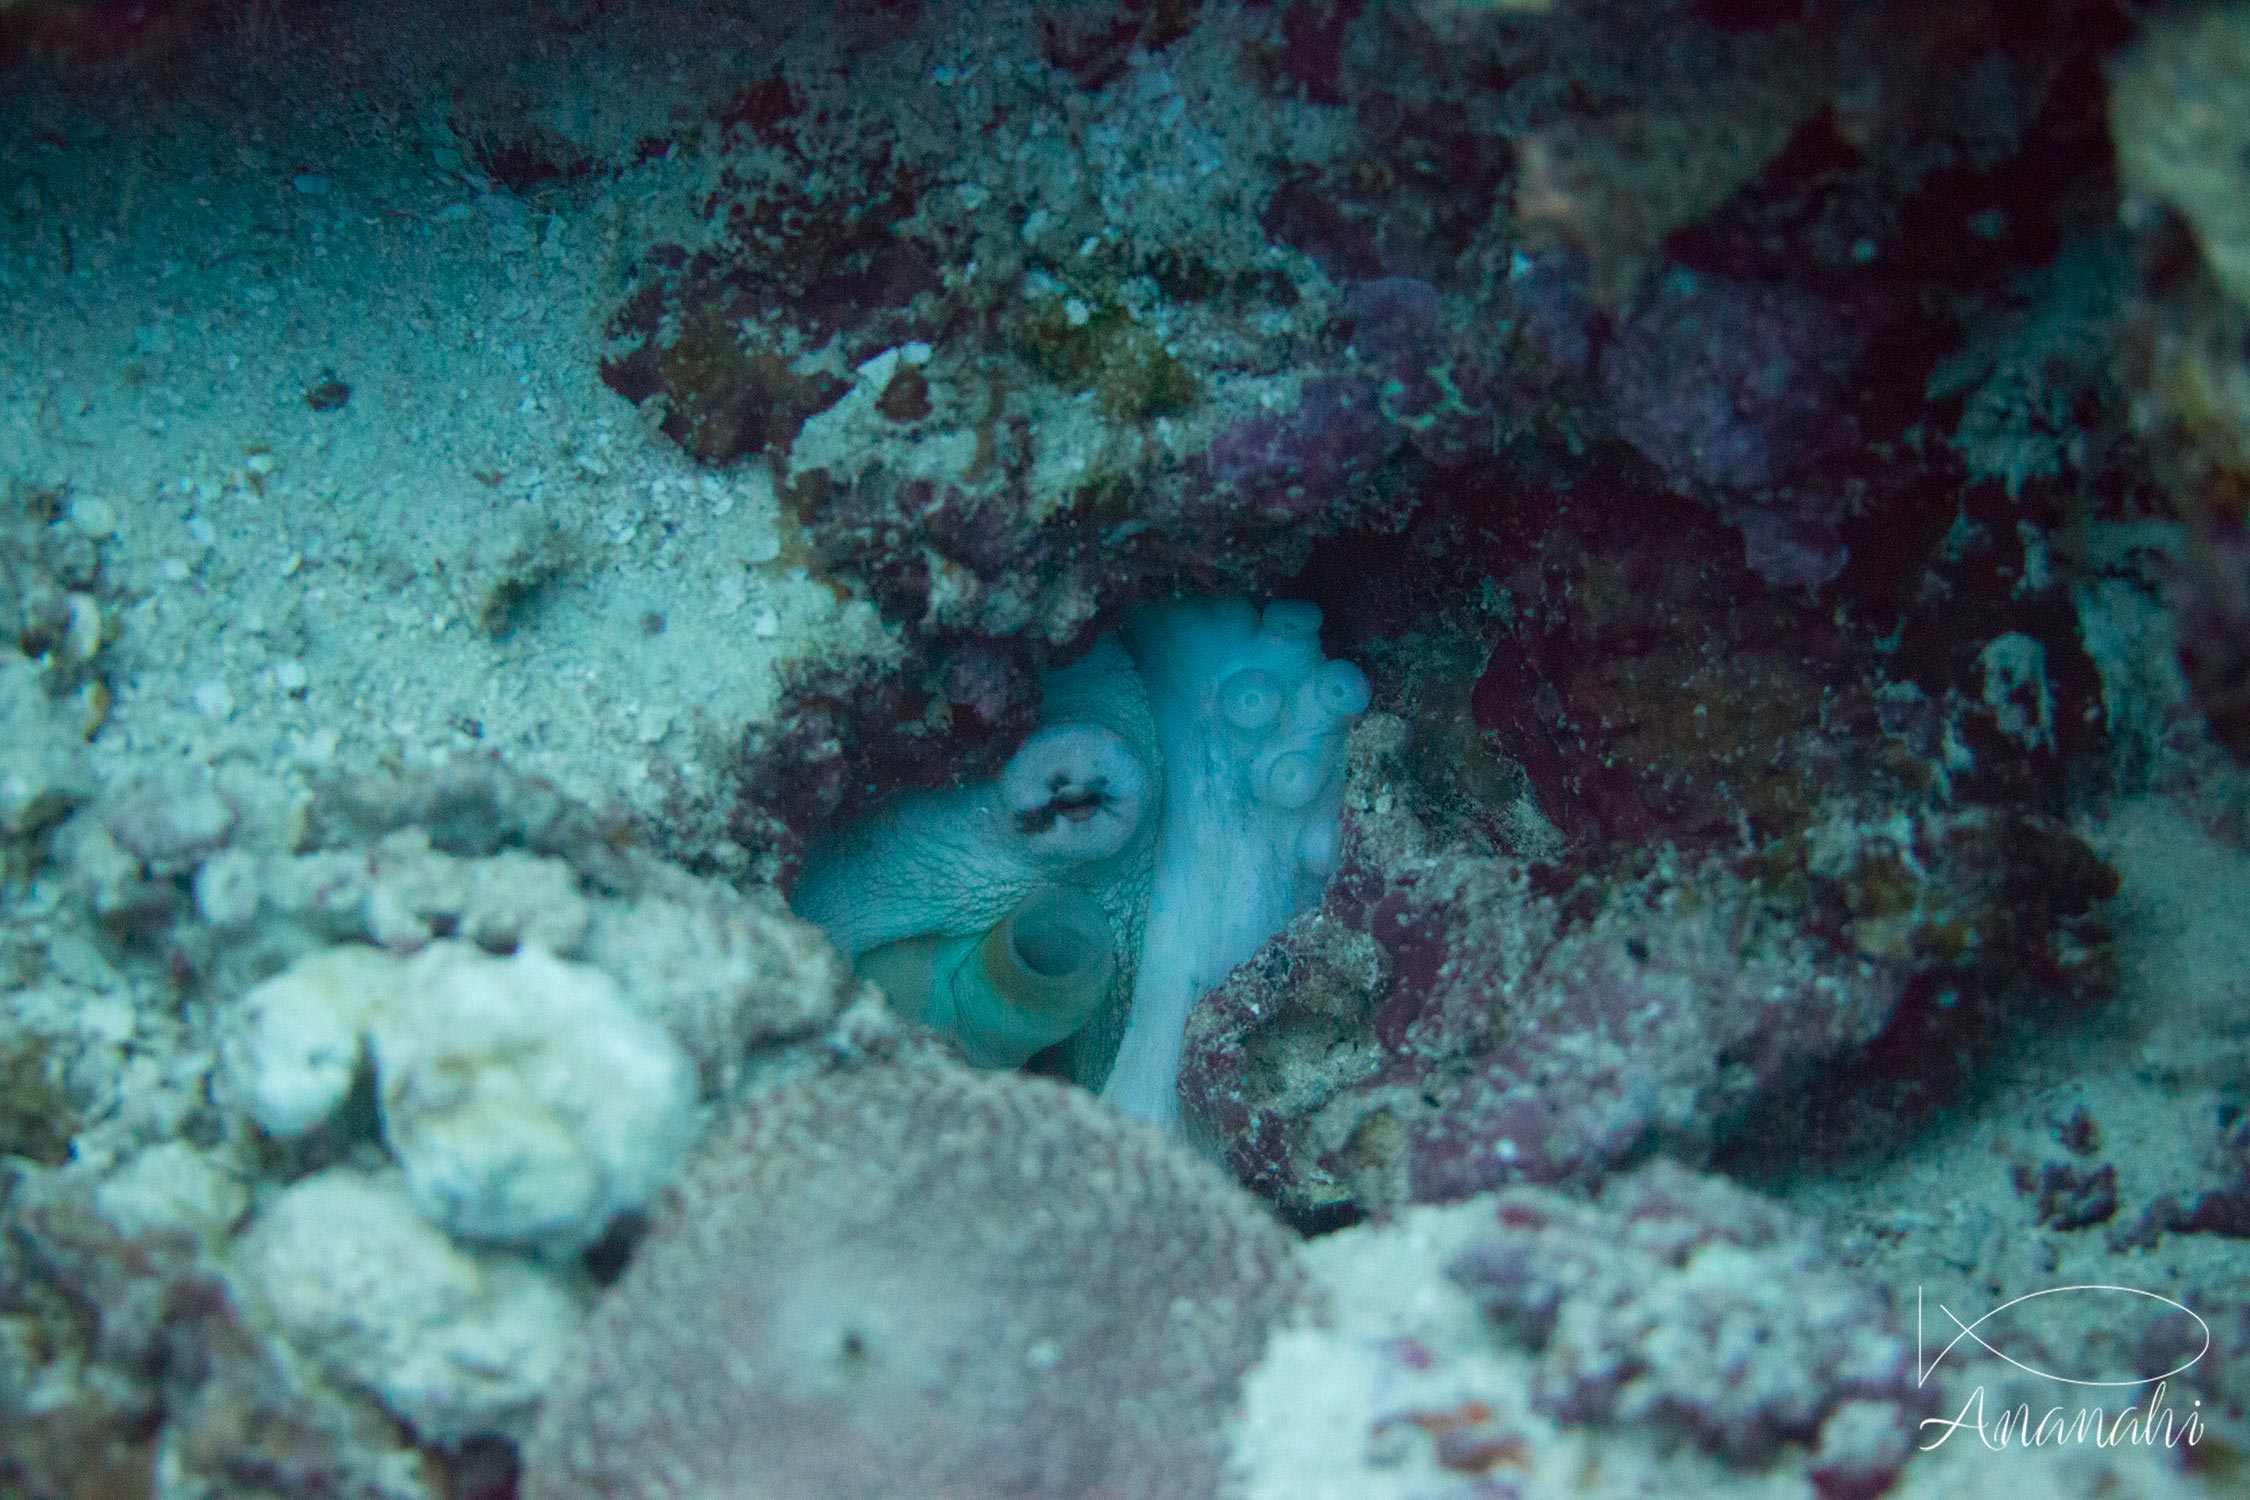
[456, 1342]
[920, 1280]
[528, 1104]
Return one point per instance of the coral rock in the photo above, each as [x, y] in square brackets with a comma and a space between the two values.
[1686, 1299]
[1449, 1020]
[454, 1342]
[42, 765]
[2179, 111]
[526, 1101]
[1723, 383]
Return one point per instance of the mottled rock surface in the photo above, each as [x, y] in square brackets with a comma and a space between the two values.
[914, 1279]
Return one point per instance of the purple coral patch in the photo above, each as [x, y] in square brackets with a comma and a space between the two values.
[1298, 465]
[1728, 384]
[1688, 1300]
[1508, 1043]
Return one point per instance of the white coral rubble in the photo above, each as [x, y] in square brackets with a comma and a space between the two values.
[527, 1103]
[456, 1342]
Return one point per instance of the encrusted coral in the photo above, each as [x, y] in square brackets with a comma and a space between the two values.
[1443, 1024]
[1764, 1368]
[458, 1343]
[914, 1279]
[102, 1292]
[1719, 383]
[1685, 1299]
[52, 628]
[723, 972]
[231, 1012]
[527, 1102]
[2179, 109]
[42, 767]
[2178, 104]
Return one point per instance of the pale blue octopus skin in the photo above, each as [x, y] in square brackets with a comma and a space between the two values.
[1188, 774]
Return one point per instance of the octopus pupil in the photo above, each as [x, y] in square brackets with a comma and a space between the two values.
[1078, 808]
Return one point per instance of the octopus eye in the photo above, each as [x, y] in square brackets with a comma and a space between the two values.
[1066, 800]
[1076, 792]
